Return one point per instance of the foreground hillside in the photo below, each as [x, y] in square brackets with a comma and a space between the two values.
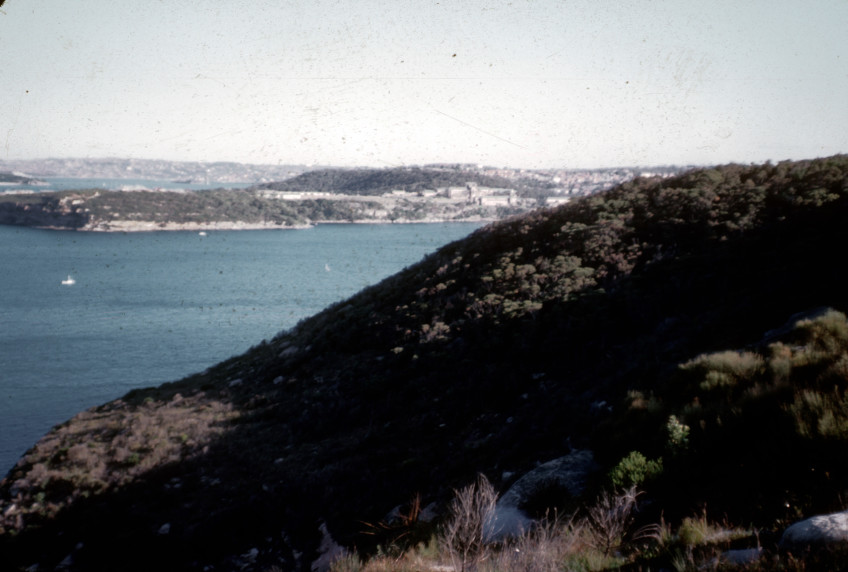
[653, 325]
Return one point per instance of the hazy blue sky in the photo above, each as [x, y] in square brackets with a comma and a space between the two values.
[523, 83]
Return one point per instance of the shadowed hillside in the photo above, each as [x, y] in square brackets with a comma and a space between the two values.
[590, 326]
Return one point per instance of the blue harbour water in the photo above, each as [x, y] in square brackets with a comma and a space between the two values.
[148, 308]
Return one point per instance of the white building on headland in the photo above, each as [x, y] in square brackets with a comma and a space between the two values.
[293, 195]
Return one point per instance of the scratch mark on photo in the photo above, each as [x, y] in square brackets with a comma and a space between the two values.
[474, 127]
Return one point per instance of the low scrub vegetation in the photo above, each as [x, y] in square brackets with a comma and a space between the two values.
[776, 387]
[607, 534]
[108, 447]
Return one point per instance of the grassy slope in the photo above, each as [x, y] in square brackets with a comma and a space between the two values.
[485, 357]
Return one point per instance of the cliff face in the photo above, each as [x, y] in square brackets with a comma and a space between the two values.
[629, 321]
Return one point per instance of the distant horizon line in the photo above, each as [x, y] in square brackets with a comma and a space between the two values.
[467, 164]
[317, 166]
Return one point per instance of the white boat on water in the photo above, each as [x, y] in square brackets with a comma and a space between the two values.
[69, 281]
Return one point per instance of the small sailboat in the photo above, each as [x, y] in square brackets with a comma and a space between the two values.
[202, 233]
[69, 281]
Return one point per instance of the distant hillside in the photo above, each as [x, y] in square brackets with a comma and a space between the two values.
[15, 178]
[680, 321]
[213, 173]
[379, 181]
[152, 210]
[98, 210]
[528, 184]
[329, 195]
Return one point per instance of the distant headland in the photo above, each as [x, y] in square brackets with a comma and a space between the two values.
[290, 196]
[17, 179]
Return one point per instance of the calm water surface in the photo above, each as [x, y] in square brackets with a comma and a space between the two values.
[148, 308]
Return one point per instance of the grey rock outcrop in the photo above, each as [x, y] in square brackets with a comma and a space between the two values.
[817, 531]
[742, 556]
[328, 551]
[567, 474]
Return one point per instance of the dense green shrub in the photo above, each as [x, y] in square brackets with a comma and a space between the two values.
[634, 470]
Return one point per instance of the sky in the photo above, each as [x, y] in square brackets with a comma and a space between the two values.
[522, 83]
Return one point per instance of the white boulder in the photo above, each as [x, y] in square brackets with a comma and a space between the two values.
[818, 530]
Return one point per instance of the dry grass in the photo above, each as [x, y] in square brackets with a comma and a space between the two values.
[551, 545]
[465, 534]
[610, 518]
[602, 539]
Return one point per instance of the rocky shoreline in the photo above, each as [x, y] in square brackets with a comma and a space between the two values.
[126, 226]
[151, 226]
